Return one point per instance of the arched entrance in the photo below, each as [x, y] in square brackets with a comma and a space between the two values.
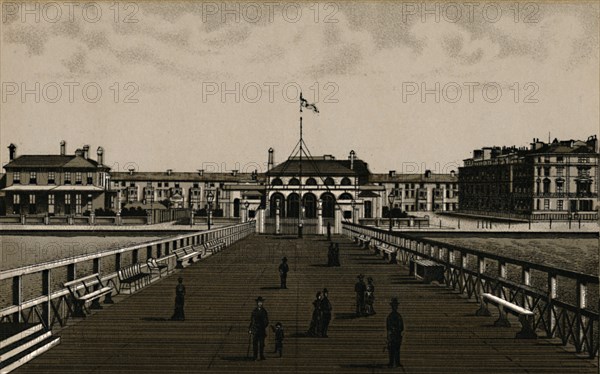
[277, 198]
[328, 205]
[310, 205]
[293, 205]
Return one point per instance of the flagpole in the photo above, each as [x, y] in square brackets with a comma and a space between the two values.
[300, 185]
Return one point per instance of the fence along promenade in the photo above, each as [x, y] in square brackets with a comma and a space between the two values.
[52, 304]
[573, 324]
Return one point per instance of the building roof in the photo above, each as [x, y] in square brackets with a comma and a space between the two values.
[145, 176]
[414, 178]
[319, 167]
[52, 161]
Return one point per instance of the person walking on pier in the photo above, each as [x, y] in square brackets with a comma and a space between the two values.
[283, 270]
[370, 297]
[360, 288]
[178, 314]
[336, 255]
[259, 320]
[326, 309]
[395, 329]
[331, 255]
[279, 336]
[315, 322]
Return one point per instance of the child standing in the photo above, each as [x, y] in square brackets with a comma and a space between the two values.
[279, 338]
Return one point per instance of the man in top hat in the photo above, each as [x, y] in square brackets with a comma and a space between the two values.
[360, 288]
[178, 314]
[326, 309]
[259, 320]
[283, 270]
[395, 329]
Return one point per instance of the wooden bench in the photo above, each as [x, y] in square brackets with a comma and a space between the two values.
[387, 251]
[155, 265]
[133, 276]
[186, 256]
[89, 288]
[214, 246]
[427, 270]
[525, 316]
[364, 241]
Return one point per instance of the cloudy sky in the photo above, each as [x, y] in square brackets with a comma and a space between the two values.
[214, 85]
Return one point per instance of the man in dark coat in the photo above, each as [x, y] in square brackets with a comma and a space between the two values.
[330, 255]
[395, 329]
[326, 309]
[259, 320]
[370, 297]
[360, 288]
[283, 270]
[336, 254]
[178, 314]
[315, 321]
[329, 231]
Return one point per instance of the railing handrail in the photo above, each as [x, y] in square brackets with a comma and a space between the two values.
[587, 278]
[29, 269]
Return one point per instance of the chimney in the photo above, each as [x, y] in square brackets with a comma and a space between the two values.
[392, 173]
[234, 173]
[131, 171]
[100, 154]
[79, 152]
[352, 156]
[270, 160]
[63, 147]
[592, 142]
[452, 173]
[169, 171]
[86, 151]
[427, 173]
[200, 172]
[12, 151]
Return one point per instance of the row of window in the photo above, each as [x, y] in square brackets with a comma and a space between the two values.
[52, 177]
[32, 206]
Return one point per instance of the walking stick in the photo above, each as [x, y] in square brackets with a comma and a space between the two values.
[249, 342]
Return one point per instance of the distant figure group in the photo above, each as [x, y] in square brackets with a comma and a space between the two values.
[321, 316]
[365, 296]
[333, 254]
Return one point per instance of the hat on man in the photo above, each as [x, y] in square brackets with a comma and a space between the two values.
[259, 299]
[360, 276]
[394, 302]
[284, 259]
[325, 290]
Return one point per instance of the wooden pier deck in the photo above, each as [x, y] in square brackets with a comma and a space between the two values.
[442, 335]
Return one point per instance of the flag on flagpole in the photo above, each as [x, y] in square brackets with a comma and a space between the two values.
[304, 104]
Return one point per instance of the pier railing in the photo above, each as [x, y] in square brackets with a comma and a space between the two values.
[37, 291]
[560, 313]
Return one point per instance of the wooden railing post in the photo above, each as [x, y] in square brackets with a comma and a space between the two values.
[17, 296]
[480, 271]
[46, 291]
[552, 294]
[526, 280]
[580, 324]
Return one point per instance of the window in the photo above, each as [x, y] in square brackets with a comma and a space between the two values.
[51, 177]
[559, 204]
[329, 181]
[160, 184]
[32, 207]
[67, 177]
[311, 182]
[78, 204]
[16, 177]
[89, 203]
[90, 178]
[78, 177]
[17, 204]
[546, 204]
[559, 159]
[33, 177]
[346, 182]
[584, 160]
[123, 184]
[67, 204]
[559, 187]
[559, 171]
[176, 185]
[167, 184]
[196, 185]
[546, 171]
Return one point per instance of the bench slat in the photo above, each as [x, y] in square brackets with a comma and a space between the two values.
[81, 280]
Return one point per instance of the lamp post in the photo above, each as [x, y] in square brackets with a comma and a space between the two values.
[246, 205]
[391, 201]
[210, 197]
[353, 204]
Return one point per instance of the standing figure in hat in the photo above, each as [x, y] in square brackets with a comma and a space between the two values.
[336, 255]
[330, 255]
[178, 314]
[315, 322]
[283, 270]
[360, 288]
[370, 297]
[395, 329]
[259, 320]
[326, 309]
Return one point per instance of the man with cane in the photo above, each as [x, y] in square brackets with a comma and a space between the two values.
[259, 320]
